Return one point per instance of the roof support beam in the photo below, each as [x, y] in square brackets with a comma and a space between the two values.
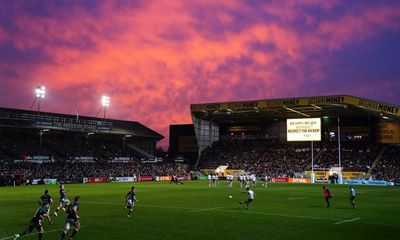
[295, 111]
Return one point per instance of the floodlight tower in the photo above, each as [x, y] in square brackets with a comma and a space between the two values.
[40, 93]
[105, 102]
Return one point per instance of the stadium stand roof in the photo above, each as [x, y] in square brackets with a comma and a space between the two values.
[297, 107]
[65, 122]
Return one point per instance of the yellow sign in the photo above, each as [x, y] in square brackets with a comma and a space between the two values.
[345, 175]
[326, 100]
[234, 172]
[381, 107]
[388, 132]
[293, 102]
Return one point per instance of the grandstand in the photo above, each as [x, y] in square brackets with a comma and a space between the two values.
[252, 136]
[57, 146]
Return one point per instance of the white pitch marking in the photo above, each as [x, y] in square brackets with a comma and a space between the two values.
[225, 210]
[56, 230]
[205, 209]
[350, 220]
[296, 198]
[280, 215]
[250, 212]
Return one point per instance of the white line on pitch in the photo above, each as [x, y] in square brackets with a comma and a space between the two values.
[350, 220]
[56, 230]
[279, 215]
[145, 205]
[205, 209]
[251, 212]
[225, 210]
[296, 198]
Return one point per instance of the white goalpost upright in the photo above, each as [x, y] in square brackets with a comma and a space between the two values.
[312, 163]
[340, 178]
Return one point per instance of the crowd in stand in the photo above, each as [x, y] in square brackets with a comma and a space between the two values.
[262, 156]
[259, 156]
[74, 156]
[78, 170]
[388, 168]
[354, 157]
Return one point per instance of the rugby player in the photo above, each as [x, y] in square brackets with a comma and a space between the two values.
[327, 195]
[229, 180]
[36, 222]
[130, 201]
[72, 219]
[45, 200]
[266, 181]
[352, 193]
[214, 180]
[250, 197]
[63, 202]
[241, 180]
[253, 180]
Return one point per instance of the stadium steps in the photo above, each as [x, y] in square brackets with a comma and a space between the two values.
[319, 153]
[377, 160]
[133, 147]
[197, 163]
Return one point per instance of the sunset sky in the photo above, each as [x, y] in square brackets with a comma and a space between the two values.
[155, 58]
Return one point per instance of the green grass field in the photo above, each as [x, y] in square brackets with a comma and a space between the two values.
[196, 211]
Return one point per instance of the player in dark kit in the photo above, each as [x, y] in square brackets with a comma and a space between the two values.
[45, 201]
[36, 222]
[72, 219]
[63, 202]
[130, 201]
[327, 195]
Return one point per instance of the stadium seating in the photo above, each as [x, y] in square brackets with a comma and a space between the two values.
[388, 168]
[74, 170]
[25, 144]
[260, 156]
[355, 157]
[264, 156]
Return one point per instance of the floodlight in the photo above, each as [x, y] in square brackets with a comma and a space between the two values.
[105, 101]
[40, 91]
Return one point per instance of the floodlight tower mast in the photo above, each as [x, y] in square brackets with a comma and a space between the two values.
[40, 92]
[105, 102]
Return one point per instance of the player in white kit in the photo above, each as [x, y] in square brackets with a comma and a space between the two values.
[250, 197]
